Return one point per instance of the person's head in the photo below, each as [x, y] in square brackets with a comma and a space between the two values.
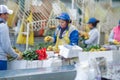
[4, 12]
[64, 19]
[92, 22]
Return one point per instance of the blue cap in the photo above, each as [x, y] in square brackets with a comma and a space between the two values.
[92, 20]
[64, 16]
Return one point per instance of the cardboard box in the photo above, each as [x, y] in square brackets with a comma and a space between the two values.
[52, 62]
[68, 51]
[85, 56]
[17, 64]
[25, 64]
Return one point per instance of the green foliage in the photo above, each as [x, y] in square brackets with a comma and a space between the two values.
[80, 42]
[50, 32]
[92, 47]
[30, 55]
[43, 45]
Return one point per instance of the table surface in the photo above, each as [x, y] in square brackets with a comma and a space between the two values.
[28, 72]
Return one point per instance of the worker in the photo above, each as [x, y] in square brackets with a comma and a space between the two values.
[114, 35]
[93, 33]
[65, 32]
[5, 45]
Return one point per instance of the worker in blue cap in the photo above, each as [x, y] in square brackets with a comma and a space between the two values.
[93, 34]
[65, 33]
[115, 35]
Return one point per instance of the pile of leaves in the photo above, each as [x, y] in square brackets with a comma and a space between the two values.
[92, 48]
[30, 55]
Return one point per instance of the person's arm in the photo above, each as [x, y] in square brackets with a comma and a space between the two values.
[74, 37]
[92, 37]
[111, 37]
[5, 42]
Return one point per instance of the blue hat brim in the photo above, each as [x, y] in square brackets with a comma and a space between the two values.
[57, 18]
[90, 22]
[61, 18]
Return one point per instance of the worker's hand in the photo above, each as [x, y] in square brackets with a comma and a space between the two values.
[56, 49]
[116, 42]
[85, 35]
[48, 39]
[19, 57]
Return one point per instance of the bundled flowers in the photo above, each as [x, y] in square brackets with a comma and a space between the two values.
[38, 52]
[41, 54]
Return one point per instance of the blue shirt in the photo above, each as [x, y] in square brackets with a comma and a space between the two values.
[73, 34]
